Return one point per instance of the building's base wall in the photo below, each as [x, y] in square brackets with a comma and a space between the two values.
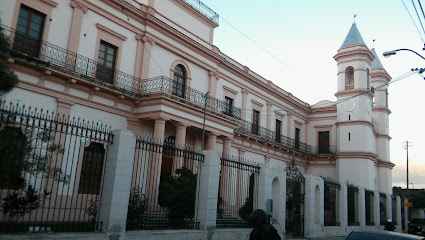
[213, 234]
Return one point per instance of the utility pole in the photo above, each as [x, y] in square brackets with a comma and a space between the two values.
[406, 146]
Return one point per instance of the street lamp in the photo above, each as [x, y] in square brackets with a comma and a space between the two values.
[388, 54]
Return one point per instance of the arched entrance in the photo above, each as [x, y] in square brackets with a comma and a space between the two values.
[294, 223]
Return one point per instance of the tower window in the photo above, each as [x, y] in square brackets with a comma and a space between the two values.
[349, 136]
[349, 78]
[368, 78]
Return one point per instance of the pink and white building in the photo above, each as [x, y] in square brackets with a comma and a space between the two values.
[147, 66]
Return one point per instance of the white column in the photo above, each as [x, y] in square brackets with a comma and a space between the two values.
[343, 204]
[376, 208]
[398, 207]
[313, 207]
[117, 182]
[208, 188]
[389, 207]
[362, 207]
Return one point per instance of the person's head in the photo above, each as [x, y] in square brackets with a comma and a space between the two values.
[389, 220]
[257, 217]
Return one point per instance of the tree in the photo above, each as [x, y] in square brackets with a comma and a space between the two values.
[178, 194]
[8, 78]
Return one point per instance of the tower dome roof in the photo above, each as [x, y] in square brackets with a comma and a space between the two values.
[353, 37]
[376, 63]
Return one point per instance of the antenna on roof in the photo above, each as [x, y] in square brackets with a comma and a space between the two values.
[354, 18]
[373, 43]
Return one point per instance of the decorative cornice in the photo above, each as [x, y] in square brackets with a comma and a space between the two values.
[230, 90]
[110, 31]
[50, 2]
[79, 5]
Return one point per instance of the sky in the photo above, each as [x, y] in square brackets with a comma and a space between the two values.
[305, 35]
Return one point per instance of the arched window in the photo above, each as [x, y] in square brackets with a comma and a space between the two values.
[91, 169]
[349, 78]
[368, 78]
[179, 80]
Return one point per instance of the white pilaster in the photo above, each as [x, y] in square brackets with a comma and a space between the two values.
[117, 182]
[208, 189]
[343, 201]
[313, 207]
[362, 207]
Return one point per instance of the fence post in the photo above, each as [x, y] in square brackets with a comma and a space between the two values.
[362, 207]
[343, 204]
[376, 209]
[313, 206]
[399, 216]
[116, 183]
[208, 190]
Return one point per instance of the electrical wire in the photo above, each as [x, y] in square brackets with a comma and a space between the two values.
[422, 39]
[420, 5]
[414, 6]
[144, 45]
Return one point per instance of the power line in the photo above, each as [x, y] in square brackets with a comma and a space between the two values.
[144, 46]
[420, 5]
[416, 26]
[250, 39]
[414, 6]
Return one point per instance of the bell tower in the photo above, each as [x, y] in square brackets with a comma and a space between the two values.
[380, 116]
[356, 136]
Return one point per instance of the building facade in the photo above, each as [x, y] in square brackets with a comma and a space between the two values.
[150, 66]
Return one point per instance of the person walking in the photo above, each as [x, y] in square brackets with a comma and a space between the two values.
[262, 230]
[389, 226]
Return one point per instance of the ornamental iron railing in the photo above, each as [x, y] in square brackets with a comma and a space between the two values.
[51, 171]
[331, 206]
[236, 192]
[382, 208]
[369, 195]
[352, 205]
[204, 10]
[273, 137]
[330, 149]
[164, 185]
[183, 93]
[63, 60]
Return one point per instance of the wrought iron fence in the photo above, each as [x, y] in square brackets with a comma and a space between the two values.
[164, 186]
[51, 171]
[369, 207]
[204, 9]
[352, 205]
[394, 209]
[331, 207]
[382, 208]
[180, 92]
[236, 193]
[273, 137]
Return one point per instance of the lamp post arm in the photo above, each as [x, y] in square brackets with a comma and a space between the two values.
[405, 49]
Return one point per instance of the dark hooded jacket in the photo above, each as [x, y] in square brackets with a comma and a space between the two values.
[262, 230]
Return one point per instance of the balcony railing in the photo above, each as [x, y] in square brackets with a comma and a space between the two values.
[181, 92]
[204, 9]
[349, 86]
[68, 62]
[273, 137]
[317, 150]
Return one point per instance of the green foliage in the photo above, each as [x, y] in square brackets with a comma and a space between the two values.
[17, 205]
[246, 209]
[137, 206]
[93, 209]
[30, 152]
[8, 78]
[178, 194]
[418, 199]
